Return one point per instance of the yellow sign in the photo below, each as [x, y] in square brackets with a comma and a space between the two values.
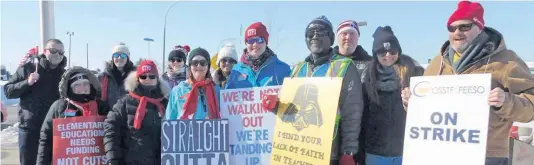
[213, 62]
[305, 121]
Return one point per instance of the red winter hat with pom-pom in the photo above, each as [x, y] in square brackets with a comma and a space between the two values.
[468, 10]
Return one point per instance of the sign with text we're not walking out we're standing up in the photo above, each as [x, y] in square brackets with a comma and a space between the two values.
[79, 141]
[447, 120]
[251, 126]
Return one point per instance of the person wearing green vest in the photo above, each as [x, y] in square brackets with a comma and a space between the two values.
[322, 62]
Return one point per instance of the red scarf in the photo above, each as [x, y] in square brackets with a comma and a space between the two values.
[191, 101]
[88, 109]
[141, 108]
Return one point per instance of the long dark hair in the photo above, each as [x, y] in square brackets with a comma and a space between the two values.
[405, 67]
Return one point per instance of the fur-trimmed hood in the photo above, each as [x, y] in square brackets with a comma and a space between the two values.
[64, 83]
[131, 83]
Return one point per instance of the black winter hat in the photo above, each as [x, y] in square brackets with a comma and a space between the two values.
[327, 25]
[176, 54]
[199, 51]
[385, 40]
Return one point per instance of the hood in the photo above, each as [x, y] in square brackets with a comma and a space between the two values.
[109, 66]
[63, 84]
[360, 54]
[131, 83]
[494, 37]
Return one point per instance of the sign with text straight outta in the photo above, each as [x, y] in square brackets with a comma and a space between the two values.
[305, 121]
[447, 120]
[194, 142]
[78, 141]
[251, 126]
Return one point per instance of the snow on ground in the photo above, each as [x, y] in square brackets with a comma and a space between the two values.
[9, 136]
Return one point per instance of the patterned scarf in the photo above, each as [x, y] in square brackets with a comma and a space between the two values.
[256, 63]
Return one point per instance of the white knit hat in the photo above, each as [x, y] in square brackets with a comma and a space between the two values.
[121, 47]
[227, 50]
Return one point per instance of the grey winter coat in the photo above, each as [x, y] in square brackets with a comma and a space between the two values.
[115, 90]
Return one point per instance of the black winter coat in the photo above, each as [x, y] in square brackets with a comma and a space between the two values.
[126, 145]
[35, 100]
[115, 89]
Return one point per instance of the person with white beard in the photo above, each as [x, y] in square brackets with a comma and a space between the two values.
[36, 85]
[114, 74]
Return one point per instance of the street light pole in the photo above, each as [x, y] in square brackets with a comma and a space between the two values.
[164, 32]
[148, 40]
[70, 46]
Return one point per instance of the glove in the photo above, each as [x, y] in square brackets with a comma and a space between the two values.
[269, 102]
[346, 160]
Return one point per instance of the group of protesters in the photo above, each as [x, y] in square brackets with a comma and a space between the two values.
[372, 106]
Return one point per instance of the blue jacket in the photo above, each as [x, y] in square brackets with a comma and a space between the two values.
[271, 73]
[177, 99]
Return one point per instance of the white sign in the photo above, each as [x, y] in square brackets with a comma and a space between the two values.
[447, 121]
[251, 126]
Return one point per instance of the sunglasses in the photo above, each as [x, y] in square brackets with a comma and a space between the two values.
[54, 51]
[462, 27]
[228, 60]
[392, 53]
[258, 40]
[311, 34]
[121, 55]
[143, 77]
[199, 63]
[176, 60]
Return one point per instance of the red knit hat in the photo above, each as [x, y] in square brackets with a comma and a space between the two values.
[147, 66]
[257, 30]
[468, 10]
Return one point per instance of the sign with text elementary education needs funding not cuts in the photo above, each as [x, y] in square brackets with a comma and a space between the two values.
[447, 121]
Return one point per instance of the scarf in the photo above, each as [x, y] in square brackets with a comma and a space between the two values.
[89, 108]
[191, 101]
[387, 78]
[256, 63]
[479, 48]
[141, 108]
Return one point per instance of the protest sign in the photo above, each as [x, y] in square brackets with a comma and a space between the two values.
[251, 126]
[195, 142]
[79, 141]
[305, 121]
[447, 120]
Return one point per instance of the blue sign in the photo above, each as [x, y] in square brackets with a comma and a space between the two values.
[195, 142]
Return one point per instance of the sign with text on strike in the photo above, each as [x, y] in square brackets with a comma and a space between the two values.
[450, 114]
[79, 141]
[251, 126]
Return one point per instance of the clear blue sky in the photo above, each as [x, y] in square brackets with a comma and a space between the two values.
[420, 26]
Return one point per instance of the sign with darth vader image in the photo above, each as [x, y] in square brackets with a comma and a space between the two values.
[305, 121]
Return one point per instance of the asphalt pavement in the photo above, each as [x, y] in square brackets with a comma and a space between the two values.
[9, 152]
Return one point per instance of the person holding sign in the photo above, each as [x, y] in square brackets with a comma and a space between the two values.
[322, 62]
[474, 48]
[78, 89]
[259, 66]
[36, 85]
[198, 96]
[133, 128]
[384, 116]
[226, 59]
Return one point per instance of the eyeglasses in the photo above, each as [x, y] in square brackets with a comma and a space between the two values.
[310, 34]
[121, 55]
[143, 77]
[54, 51]
[176, 60]
[392, 53]
[199, 63]
[228, 60]
[462, 27]
[258, 40]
